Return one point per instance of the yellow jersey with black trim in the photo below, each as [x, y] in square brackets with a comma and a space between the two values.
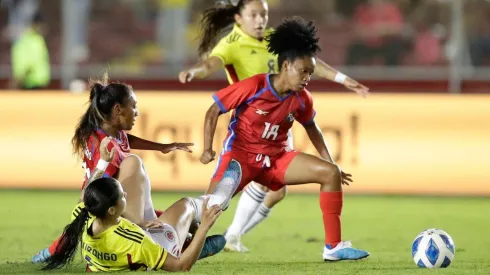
[244, 56]
[122, 247]
[76, 211]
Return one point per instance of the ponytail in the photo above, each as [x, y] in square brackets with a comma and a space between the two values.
[92, 118]
[213, 22]
[67, 246]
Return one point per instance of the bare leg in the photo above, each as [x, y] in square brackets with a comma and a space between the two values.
[273, 197]
[180, 216]
[136, 184]
[305, 169]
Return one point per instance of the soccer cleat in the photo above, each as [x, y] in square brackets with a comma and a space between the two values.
[42, 256]
[212, 246]
[229, 182]
[234, 244]
[343, 251]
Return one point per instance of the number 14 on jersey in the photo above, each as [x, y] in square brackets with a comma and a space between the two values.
[270, 131]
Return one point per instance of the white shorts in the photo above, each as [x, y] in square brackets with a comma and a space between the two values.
[167, 238]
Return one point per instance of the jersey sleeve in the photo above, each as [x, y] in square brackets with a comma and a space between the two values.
[93, 147]
[306, 114]
[151, 254]
[232, 96]
[224, 51]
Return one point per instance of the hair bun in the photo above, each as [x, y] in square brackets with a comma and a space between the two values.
[96, 90]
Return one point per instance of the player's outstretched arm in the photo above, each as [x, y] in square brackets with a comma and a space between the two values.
[201, 70]
[143, 144]
[316, 137]
[210, 123]
[323, 70]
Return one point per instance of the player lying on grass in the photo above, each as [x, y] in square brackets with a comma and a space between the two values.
[112, 243]
[243, 53]
[264, 109]
[111, 112]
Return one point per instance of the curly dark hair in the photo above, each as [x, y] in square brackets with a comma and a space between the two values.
[293, 38]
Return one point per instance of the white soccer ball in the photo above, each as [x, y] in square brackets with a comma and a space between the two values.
[433, 248]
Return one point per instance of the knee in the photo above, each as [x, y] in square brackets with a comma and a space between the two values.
[329, 174]
[261, 187]
[131, 161]
[132, 166]
[132, 169]
[279, 194]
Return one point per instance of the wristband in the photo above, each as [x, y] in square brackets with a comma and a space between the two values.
[340, 78]
[102, 165]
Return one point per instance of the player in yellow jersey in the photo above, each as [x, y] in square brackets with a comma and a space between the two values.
[243, 53]
[112, 243]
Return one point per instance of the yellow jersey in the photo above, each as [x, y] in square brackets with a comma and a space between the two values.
[122, 247]
[244, 56]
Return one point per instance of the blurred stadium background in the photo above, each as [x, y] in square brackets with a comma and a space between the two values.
[424, 130]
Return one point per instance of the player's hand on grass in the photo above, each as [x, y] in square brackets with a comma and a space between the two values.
[167, 148]
[186, 76]
[346, 178]
[209, 215]
[357, 87]
[104, 152]
[208, 156]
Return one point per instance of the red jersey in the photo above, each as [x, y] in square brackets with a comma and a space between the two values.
[261, 118]
[92, 153]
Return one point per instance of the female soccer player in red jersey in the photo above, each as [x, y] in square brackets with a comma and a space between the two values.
[243, 53]
[264, 109]
[112, 111]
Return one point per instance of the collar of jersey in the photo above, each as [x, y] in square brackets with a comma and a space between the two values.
[118, 139]
[267, 77]
[105, 232]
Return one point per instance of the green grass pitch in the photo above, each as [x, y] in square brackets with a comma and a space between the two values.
[289, 242]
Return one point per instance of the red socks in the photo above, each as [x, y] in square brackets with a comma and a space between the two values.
[331, 206]
[53, 246]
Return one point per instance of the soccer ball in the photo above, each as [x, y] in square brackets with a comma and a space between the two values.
[433, 248]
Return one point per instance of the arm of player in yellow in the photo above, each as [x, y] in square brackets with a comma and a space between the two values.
[190, 255]
[157, 258]
[222, 54]
[202, 70]
[325, 71]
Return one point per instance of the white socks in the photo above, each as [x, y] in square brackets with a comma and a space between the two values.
[149, 210]
[198, 202]
[248, 204]
[221, 196]
[257, 218]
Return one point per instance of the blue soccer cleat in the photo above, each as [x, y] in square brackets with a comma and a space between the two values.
[212, 246]
[343, 251]
[42, 256]
[229, 182]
